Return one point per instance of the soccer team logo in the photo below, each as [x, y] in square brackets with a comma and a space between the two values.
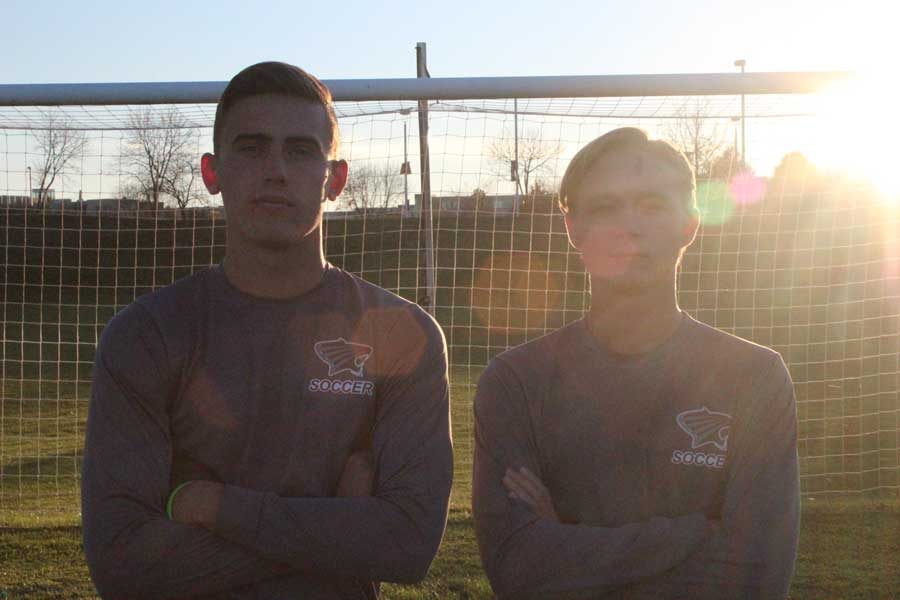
[705, 428]
[341, 355]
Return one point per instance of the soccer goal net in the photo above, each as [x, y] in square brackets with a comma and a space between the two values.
[792, 254]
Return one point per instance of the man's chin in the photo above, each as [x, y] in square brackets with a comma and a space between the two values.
[278, 239]
[276, 244]
[627, 284]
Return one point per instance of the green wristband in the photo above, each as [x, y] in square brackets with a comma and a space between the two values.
[171, 501]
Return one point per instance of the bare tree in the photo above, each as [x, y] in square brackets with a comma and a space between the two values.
[182, 182]
[132, 190]
[371, 186]
[57, 147]
[727, 164]
[698, 135]
[534, 156]
[159, 154]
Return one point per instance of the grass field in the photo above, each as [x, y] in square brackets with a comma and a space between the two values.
[849, 548]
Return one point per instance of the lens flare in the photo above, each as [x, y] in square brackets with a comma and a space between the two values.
[747, 188]
[858, 132]
[715, 202]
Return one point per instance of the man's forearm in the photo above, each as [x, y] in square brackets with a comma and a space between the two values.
[525, 556]
[546, 557]
[727, 566]
[156, 558]
[368, 538]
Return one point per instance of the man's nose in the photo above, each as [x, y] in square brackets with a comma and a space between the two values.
[632, 219]
[274, 167]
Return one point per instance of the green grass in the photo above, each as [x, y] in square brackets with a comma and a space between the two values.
[849, 547]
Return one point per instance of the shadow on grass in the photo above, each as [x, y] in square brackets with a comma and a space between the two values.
[849, 549]
[66, 466]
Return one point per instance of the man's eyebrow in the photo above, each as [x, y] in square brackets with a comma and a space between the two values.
[653, 195]
[250, 137]
[303, 139]
[602, 197]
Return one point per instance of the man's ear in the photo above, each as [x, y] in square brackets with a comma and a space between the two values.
[691, 227]
[208, 171]
[338, 171]
[571, 229]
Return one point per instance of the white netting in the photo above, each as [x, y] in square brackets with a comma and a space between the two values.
[793, 258]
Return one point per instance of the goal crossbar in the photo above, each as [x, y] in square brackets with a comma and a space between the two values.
[438, 88]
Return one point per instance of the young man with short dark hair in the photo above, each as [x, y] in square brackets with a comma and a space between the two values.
[635, 453]
[272, 427]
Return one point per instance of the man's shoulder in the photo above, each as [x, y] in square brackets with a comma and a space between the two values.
[711, 345]
[387, 312]
[177, 297]
[720, 360]
[164, 309]
[369, 293]
[541, 354]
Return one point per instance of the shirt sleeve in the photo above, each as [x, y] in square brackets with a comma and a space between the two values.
[394, 534]
[752, 553]
[525, 556]
[133, 550]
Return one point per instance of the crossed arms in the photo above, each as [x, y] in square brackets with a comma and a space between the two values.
[745, 548]
[134, 550]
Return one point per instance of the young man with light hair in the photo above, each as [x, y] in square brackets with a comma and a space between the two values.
[272, 427]
[635, 453]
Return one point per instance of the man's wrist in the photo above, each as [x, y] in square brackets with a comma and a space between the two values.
[197, 503]
[170, 504]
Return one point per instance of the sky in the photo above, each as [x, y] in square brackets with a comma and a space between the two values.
[125, 41]
[105, 41]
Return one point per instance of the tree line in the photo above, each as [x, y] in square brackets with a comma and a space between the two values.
[161, 149]
[159, 157]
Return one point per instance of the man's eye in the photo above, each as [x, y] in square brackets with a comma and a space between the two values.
[602, 208]
[248, 148]
[652, 204]
[301, 151]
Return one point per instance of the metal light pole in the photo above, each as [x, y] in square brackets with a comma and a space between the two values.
[515, 163]
[742, 63]
[734, 146]
[405, 170]
[425, 164]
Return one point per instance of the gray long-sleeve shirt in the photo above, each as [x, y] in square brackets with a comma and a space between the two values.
[201, 381]
[675, 473]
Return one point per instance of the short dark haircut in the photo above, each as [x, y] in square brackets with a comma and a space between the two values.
[275, 78]
[617, 140]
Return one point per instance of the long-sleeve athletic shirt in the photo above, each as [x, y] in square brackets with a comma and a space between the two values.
[674, 473]
[269, 397]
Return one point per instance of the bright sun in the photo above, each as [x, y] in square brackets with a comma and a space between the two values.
[858, 132]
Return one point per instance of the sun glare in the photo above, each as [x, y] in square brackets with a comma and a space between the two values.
[859, 133]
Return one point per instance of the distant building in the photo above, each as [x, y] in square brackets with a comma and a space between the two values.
[375, 211]
[471, 203]
[14, 201]
[33, 200]
[49, 196]
[114, 204]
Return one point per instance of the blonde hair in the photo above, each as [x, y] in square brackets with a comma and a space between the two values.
[625, 138]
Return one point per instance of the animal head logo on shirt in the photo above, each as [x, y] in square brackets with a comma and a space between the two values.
[341, 355]
[705, 427]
